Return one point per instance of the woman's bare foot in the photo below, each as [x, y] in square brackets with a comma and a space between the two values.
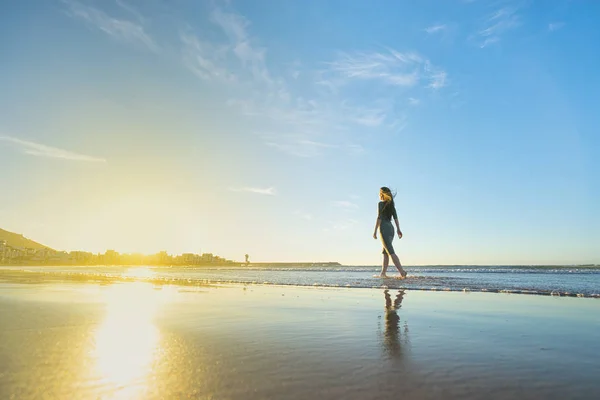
[380, 276]
[403, 273]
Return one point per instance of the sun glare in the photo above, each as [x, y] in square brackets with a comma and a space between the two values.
[127, 343]
[130, 213]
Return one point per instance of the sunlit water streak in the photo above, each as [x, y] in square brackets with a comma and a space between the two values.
[127, 343]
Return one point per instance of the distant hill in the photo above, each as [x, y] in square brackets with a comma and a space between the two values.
[17, 240]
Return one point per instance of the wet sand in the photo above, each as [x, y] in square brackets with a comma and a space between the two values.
[140, 341]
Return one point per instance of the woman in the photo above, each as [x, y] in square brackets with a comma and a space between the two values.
[387, 210]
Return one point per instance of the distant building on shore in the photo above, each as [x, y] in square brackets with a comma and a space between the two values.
[15, 249]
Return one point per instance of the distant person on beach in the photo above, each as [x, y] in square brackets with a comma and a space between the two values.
[387, 210]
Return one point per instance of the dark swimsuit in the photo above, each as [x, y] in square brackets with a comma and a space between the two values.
[386, 228]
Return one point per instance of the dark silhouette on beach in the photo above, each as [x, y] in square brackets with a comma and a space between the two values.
[383, 225]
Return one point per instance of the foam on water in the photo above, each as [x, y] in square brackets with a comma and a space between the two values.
[565, 281]
[541, 269]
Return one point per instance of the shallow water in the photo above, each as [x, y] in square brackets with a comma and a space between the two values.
[542, 280]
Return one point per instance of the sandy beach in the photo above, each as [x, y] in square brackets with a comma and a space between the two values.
[142, 341]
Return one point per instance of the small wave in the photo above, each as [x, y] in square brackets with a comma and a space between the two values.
[424, 283]
[450, 269]
[433, 270]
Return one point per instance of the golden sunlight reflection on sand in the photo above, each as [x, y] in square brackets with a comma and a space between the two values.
[128, 342]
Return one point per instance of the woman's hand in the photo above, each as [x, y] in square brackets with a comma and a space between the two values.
[375, 235]
[399, 234]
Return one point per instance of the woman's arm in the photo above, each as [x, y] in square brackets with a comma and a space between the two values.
[377, 223]
[398, 231]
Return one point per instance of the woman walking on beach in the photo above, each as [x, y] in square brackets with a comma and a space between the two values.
[387, 210]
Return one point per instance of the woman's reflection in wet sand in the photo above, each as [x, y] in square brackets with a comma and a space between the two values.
[391, 336]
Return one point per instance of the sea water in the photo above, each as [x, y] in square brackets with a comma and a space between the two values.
[582, 281]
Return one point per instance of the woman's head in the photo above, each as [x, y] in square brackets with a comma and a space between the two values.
[385, 194]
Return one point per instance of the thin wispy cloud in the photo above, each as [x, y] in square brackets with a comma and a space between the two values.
[251, 56]
[554, 26]
[498, 24]
[437, 80]
[298, 116]
[413, 101]
[370, 117]
[392, 68]
[131, 10]
[236, 58]
[42, 150]
[119, 29]
[399, 124]
[295, 127]
[204, 59]
[436, 28]
[309, 128]
[270, 191]
[298, 125]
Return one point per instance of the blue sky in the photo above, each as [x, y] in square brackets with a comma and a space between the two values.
[268, 127]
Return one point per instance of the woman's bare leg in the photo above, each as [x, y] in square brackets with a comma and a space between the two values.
[386, 263]
[396, 261]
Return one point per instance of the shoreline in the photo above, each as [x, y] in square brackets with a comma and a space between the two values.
[25, 276]
[284, 265]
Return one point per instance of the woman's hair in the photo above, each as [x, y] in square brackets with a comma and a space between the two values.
[388, 196]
